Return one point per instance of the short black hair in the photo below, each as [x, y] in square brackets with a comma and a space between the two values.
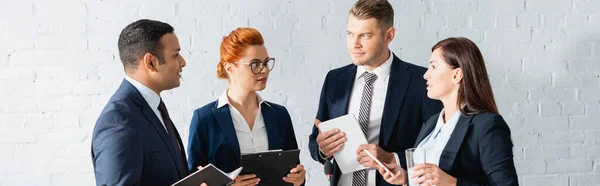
[141, 37]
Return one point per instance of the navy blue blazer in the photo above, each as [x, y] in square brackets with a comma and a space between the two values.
[405, 110]
[213, 139]
[130, 145]
[479, 151]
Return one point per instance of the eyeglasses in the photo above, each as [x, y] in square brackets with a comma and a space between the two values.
[256, 66]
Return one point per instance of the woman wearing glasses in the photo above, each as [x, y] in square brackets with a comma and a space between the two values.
[468, 142]
[241, 121]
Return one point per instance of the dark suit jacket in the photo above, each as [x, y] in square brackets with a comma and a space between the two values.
[213, 139]
[479, 151]
[130, 145]
[406, 108]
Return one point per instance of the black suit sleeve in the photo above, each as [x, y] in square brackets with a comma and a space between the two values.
[463, 182]
[495, 151]
[117, 151]
[322, 115]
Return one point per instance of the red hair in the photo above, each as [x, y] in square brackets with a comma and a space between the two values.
[234, 45]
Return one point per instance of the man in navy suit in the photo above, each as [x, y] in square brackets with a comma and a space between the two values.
[134, 141]
[387, 96]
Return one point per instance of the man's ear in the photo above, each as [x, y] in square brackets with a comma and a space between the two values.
[390, 34]
[150, 62]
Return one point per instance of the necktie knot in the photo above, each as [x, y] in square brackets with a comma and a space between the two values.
[370, 77]
[162, 108]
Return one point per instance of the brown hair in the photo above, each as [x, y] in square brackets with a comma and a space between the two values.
[475, 90]
[234, 45]
[381, 10]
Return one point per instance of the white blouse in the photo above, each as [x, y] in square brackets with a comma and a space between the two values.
[251, 140]
[436, 141]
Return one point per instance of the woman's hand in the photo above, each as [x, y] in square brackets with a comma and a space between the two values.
[296, 175]
[431, 174]
[246, 180]
[400, 175]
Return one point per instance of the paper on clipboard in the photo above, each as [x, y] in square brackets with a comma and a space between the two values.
[346, 157]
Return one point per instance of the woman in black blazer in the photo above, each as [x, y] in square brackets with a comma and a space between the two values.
[240, 121]
[468, 143]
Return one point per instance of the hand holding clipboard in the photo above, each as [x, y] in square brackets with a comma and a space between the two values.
[271, 167]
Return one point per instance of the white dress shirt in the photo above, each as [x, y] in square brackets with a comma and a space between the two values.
[436, 141]
[150, 96]
[376, 113]
[251, 140]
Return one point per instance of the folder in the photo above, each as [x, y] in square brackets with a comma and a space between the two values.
[270, 166]
[346, 157]
[210, 175]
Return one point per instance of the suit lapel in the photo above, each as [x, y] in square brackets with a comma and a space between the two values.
[396, 91]
[426, 130]
[223, 116]
[342, 93]
[156, 124]
[183, 157]
[273, 133]
[456, 138]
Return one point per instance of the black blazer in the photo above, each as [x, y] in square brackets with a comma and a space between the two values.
[405, 110]
[213, 139]
[130, 146]
[479, 151]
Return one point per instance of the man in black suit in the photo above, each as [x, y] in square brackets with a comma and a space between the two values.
[134, 140]
[387, 96]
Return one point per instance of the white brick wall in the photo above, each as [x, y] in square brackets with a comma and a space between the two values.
[59, 65]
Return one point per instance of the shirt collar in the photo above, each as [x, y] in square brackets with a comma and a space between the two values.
[452, 120]
[381, 71]
[224, 100]
[148, 94]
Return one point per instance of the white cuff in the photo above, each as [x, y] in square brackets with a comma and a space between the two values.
[397, 159]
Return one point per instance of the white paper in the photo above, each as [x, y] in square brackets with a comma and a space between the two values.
[346, 157]
[231, 175]
[235, 173]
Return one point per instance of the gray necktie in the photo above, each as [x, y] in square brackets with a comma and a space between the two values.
[359, 178]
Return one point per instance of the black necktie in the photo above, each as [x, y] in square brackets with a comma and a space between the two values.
[172, 131]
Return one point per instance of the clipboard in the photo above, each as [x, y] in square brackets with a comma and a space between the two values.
[270, 166]
[210, 175]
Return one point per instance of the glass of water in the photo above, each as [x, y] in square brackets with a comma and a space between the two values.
[414, 156]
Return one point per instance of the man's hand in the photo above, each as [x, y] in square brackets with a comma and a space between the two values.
[366, 161]
[331, 141]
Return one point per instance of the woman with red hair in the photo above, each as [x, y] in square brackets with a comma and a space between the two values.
[240, 121]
